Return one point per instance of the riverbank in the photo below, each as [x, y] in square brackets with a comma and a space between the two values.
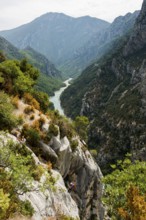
[56, 98]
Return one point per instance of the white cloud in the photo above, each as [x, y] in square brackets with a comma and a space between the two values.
[16, 12]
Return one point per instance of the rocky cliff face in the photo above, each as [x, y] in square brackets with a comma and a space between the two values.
[117, 101]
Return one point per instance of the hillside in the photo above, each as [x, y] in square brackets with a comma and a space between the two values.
[111, 93]
[9, 50]
[50, 78]
[55, 35]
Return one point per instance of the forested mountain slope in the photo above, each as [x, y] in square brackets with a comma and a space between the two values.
[112, 94]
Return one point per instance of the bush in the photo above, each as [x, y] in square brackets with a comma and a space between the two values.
[15, 101]
[135, 207]
[81, 126]
[7, 119]
[32, 117]
[93, 153]
[29, 99]
[32, 135]
[26, 209]
[42, 121]
[74, 144]
[42, 99]
[66, 128]
[53, 131]
[28, 109]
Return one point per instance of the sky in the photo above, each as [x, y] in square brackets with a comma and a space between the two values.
[14, 13]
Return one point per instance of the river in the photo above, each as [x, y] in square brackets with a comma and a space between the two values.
[56, 98]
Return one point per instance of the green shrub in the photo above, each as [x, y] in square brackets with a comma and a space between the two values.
[66, 128]
[93, 153]
[74, 144]
[53, 131]
[43, 100]
[32, 136]
[26, 208]
[7, 119]
[81, 126]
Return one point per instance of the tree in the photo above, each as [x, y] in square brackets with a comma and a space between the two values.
[135, 208]
[4, 203]
[81, 126]
[6, 112]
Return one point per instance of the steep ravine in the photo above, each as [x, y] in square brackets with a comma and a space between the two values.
[111, 93]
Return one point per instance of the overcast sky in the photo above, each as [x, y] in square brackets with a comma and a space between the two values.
[16, 12]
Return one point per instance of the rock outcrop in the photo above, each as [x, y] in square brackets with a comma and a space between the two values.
[78, 187]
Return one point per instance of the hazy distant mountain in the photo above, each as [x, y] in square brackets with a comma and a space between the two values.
[99, 44]
[55, 35]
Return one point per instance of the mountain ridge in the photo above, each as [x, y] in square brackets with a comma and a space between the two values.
[55, 35]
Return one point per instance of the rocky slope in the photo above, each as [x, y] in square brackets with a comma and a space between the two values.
[112, 96]
[77, 166]
[55, 35]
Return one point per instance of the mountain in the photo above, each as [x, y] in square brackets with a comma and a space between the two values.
[50, 78]
[99, 44]
[55, 35]
[111, 92]
[41, 62]
[9, 50]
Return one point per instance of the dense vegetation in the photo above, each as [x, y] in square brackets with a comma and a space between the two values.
[49, 79]
[125, 192]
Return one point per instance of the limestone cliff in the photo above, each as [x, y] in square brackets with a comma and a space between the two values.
[77, 190]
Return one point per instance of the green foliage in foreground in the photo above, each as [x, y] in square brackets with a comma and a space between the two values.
[119, 181]
[17, 173]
